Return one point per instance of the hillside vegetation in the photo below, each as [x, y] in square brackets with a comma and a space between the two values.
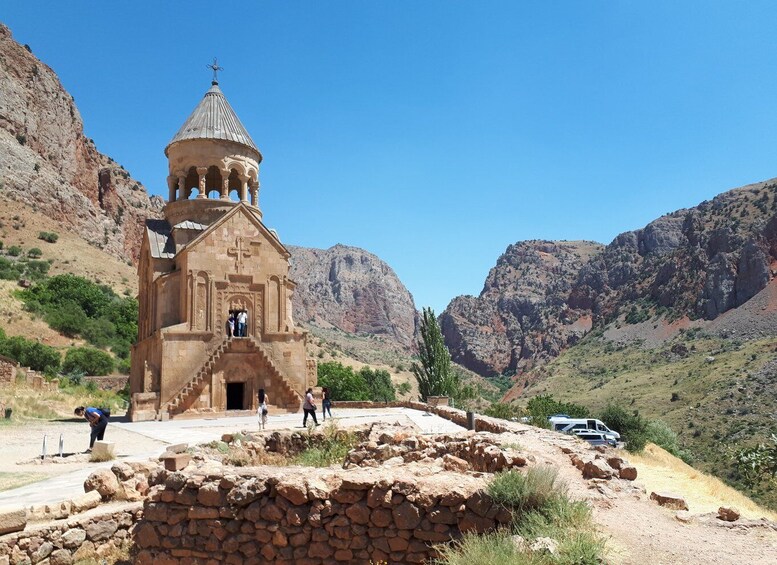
[717, 394]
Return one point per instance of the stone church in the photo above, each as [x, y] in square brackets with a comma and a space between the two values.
[209, 261]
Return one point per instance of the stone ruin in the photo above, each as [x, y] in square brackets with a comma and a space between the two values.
[396, 499]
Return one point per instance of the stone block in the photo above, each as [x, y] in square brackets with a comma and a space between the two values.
[103, 450]
[12, 520]
[86, 502]
[177, 461]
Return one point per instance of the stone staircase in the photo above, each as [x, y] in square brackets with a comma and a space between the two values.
[281, 391]
[178, 402]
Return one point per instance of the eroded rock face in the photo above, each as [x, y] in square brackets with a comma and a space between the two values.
[542, 296]
[522, 314]
[48, 163]
[353, 290]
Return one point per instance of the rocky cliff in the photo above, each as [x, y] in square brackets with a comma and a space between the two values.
[521, 314]
[353, 290]
[541, 296]
[48, 163]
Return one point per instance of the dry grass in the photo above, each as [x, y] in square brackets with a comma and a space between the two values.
[15, 480]
[660, 471]
[70, 253]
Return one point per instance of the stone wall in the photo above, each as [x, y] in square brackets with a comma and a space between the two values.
[109, 382]
[88, 537]
[310, 516]
[7, 371]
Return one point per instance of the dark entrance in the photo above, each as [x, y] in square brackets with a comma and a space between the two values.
[235, 396]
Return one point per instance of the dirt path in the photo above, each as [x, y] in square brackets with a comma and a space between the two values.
[637, 530]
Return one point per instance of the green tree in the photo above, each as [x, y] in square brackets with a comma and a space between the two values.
[342, 382]
[30, 353]
[543, 406]
[88, 360]
[379, 384]
[434, 373]
[631, 426]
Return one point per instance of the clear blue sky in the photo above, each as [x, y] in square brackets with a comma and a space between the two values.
[434, 134]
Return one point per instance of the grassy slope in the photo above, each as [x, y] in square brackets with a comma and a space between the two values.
[719, 404]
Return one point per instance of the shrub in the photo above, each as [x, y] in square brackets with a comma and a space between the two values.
[89, 360]
[34, 253]
[541, 407]
[504, 410]
[49, 237]
[632, 427]
[404, 388]
[342, 382]
[14, 251]
[30, 353]
[524, 493]
[332, 448]
[379, 385]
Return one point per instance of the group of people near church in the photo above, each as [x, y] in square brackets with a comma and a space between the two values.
[308, 406]
[237, 324]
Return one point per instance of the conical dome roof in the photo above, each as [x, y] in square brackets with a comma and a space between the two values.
[214, 118]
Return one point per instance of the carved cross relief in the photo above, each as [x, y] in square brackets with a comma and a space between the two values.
[240, 251]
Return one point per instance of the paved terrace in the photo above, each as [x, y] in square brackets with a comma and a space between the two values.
[195, 431]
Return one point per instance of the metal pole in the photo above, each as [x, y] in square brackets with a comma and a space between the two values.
[43, 452]
[61, 446]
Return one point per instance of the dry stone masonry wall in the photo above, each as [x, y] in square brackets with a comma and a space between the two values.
[287, 516]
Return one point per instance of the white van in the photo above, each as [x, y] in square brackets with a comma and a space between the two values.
[574, 425]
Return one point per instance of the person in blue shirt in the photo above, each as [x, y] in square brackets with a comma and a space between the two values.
[97, 419]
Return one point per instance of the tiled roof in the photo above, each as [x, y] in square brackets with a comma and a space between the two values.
[214, 118]
[189, 225]
[162, 245]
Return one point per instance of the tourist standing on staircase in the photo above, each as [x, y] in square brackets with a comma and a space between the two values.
[309, 408]
[242, 319]
[262, 409]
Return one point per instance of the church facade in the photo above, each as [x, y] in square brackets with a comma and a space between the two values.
[215, 320]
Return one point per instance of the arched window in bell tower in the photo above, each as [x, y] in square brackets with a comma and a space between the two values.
[234, 185]
[191, 184]
[213, 181]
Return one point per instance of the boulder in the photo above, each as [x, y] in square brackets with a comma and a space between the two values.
[544, 545]
[728, 514]
[596, 469]
[670, 500]
[628, 473]
[453, 463]
[104, 482]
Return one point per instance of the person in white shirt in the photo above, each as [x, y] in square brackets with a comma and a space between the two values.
[309, 408]
[263, 398]
[242, 319]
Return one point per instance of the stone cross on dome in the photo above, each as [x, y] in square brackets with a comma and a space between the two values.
[215, 68]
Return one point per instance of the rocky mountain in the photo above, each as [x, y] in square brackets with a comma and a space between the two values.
[47, 162]
[353, 290]
[693, 264]
[522, 314]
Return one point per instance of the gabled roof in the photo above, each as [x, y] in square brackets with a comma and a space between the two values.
[214, 118]
[160, 243]
[240, 207]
